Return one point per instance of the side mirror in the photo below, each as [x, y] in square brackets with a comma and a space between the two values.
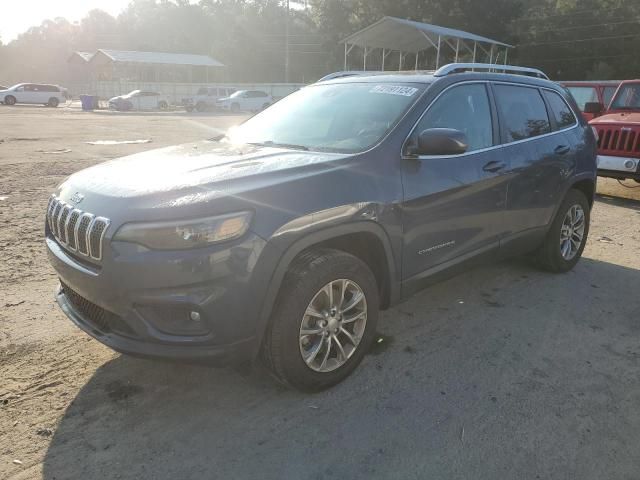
[440, 141]
[595, 108]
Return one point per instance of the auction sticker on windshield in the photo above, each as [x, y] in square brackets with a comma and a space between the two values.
[394, 90]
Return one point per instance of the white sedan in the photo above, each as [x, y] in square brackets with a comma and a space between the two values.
[35, 93]
[139, 100]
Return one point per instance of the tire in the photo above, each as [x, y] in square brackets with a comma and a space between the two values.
[9, 100]
[53, 102]
[162, 105]
[235, 108]
[306, 282]
[550, 255]
[189, 109]
[201, 106]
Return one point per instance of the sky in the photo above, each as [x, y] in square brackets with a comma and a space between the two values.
[18, 15]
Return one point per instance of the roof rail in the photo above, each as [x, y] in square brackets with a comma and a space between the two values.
[464, 67]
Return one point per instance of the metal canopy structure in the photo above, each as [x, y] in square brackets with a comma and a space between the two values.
[407, 37]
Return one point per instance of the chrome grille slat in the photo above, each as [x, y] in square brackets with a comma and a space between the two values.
[76, 230]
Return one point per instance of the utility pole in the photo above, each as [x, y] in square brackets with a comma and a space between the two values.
[286, 46]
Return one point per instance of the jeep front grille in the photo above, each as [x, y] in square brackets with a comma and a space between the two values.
[619, 140]
[81, 232]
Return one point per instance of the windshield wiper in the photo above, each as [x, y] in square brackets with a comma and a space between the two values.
[271, 143]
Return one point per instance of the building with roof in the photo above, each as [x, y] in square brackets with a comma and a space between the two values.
[420, 45]
[113, 72]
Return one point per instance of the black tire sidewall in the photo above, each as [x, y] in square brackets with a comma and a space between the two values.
[10, 100]
[296, 294]
[53, 102]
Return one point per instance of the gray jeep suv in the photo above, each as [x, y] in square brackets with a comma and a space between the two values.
[284, 238]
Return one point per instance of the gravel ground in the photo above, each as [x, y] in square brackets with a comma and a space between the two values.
[504, 372]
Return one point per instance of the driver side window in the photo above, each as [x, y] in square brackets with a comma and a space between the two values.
[464, 108]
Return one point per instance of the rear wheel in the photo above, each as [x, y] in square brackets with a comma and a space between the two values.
[162, 105]
[324, 320]
[189, 109]
[53, 102]
[10, 100]
[567, 236]
[201, 106]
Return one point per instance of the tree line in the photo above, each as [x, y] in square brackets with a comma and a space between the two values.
[568, 39]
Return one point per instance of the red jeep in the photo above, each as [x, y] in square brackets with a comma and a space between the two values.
[619, 133]
[592, 92]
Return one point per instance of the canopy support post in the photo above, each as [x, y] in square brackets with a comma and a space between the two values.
[400, 62]
[416, 68]
[506, 52]
[345, 56]
[384, 54]
[491, 54]
[438, 53]
[475, 45]
[457, 49]
[364, 60]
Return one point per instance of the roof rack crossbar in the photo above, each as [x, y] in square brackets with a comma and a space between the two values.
[464, 67]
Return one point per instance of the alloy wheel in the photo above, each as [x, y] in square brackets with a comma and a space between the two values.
[572, 232]
[333, 325]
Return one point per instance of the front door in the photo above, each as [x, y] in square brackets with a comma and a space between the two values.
[454, 205]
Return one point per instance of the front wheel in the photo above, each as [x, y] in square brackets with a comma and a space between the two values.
[162, 105]
[324, 320]
[53, 102]
[10, 100]
[567, 236]
[201, 106]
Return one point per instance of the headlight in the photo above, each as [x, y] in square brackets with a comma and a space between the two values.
[185, 234]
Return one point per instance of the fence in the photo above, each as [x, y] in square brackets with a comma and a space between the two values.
[175, 91]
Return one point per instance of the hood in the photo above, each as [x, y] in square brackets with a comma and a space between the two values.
[620, 118]
[195, 173]
[223, 99]
[116, 99]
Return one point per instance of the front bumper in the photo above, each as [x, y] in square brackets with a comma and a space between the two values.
[618, 167]
[140, 302]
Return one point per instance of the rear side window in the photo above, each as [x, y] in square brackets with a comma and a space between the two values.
[523, 113]
[561, 111]
[584, 95]
[465, 108]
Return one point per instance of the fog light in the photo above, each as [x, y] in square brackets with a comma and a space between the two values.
[195, 316]
[629, 164]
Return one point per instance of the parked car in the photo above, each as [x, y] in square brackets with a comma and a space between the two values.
[245, 101]
[140, 100]
[589, 92]
[34, 93]
[286, 237]
[206, 98]
[619, 133]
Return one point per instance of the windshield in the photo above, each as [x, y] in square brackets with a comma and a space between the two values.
[131, 94]
[627, 98]
[346, 117]
[237, 94]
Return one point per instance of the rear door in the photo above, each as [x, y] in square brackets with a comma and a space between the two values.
[540, 154]
[454, 205]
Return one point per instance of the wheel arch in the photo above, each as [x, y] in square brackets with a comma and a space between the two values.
[367, 241]
[586, 186]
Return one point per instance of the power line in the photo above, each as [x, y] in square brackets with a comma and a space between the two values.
[634, 22]
[616, 37]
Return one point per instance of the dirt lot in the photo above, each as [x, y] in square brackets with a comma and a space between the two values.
[504, 372]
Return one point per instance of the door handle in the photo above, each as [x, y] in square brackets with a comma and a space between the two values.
[494, 166]
[562, 149]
